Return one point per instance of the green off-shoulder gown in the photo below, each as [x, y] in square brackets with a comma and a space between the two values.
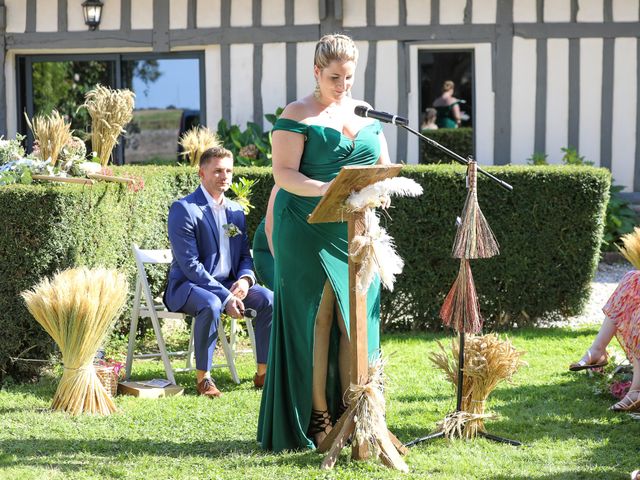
[305, 256]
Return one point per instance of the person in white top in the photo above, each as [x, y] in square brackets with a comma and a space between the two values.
[212, 269]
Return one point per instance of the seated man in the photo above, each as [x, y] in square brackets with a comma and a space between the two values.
[212, 269]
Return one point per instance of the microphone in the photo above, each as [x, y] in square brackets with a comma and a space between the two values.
[367, 112]
[250, 313]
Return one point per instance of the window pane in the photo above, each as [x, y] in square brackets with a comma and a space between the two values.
[167, 102]
[62, 86]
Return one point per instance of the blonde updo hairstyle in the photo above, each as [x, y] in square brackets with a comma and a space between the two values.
[335, 47]
[448, 85]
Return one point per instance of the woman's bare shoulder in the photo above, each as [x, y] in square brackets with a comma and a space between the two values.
[298, 110]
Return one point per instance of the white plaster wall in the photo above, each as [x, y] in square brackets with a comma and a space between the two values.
[387, 12]
[11, 94]
[418, 12]
[625, 10]
[110, 19]
[357, 91]
[590, 98]
[208, 13]
[557, 10]
[557, 98]
[141, 19]
[354, 13]
[16, 15]
[305, 12]
[523, 100]
[213, 85]
[273, 12]
[46, 16]
[625, 91]
[590, 11]
[274, 78]
[484, 12]
[305, 81]
[524, 11]
[241, 83]
[452, 12]
[75, 18]
[483, 124]
[386, 97]
[241, 13]
[178, 14]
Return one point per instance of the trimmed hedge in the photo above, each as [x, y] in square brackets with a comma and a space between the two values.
[460, 140]
[549, 228]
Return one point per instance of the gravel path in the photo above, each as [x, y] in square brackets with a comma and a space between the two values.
[607, 278]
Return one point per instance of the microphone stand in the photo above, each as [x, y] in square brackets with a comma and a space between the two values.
[455, 156]
[506, 186]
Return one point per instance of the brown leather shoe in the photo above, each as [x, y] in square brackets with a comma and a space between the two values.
[258, 380]
[207, 388]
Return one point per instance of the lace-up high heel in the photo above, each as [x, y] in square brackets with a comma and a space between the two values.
[319, 425]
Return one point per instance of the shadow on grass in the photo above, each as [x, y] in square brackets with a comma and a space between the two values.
[49, 452]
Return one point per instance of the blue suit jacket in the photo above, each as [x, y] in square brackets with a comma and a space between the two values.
[193, 234]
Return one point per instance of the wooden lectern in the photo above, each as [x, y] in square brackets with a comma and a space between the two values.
[332, 209]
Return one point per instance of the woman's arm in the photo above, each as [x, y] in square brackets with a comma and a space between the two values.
[287, 150]
[384, 158]
[268, 219]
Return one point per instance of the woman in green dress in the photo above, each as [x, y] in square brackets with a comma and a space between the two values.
[263, 245]
[447, 107]
[309, 352]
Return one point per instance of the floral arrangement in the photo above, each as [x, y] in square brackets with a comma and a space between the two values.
[11, 149]
[231, 230]
[614, 378]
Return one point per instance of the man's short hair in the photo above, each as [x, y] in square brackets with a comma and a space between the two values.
[215, 152]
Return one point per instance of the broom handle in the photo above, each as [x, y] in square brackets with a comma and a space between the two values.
[456, 157]
[460, 371]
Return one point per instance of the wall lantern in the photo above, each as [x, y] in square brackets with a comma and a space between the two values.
[92, 10]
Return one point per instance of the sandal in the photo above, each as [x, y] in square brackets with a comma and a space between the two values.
[627, 404]
[589, 363]
[320, 422]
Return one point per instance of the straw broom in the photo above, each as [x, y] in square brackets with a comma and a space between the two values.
[52, 133]
[474, 238]
[631, 247]
[196, 141]
[461, 309]
[77, 308]
[488, 362]
[110, 111]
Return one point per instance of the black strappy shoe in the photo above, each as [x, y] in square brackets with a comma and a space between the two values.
[320, 422]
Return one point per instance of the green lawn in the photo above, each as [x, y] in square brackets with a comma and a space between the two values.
[567, 431]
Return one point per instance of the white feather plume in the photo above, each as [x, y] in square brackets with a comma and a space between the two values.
[377, 194]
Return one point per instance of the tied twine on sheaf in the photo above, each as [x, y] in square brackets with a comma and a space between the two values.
[369, 408]
[375, 249]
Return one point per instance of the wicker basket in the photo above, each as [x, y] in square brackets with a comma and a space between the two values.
[108, 378]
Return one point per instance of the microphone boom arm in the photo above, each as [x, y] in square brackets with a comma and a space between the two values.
[456, 157]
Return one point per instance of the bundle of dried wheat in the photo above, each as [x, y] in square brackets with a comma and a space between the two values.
[488, 361]
[51, 133]
[631, 247]
[196, 141]
[77, 308]
[110, 112]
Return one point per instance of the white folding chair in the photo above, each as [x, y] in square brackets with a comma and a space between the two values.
[145, 307]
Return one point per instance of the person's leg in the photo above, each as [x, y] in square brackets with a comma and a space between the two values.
[344, 355]
[631, 400]
[205, 307]
[261, 300]
[324, 322]
[597, 351]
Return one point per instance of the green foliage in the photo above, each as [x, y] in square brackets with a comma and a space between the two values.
[572, 157]
[620, 219]
[460, 140]
[242, 191]
[549, 229]
[567, 431]
[251, 147]
[538, 158]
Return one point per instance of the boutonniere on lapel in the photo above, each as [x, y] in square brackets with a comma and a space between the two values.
[231, 230]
